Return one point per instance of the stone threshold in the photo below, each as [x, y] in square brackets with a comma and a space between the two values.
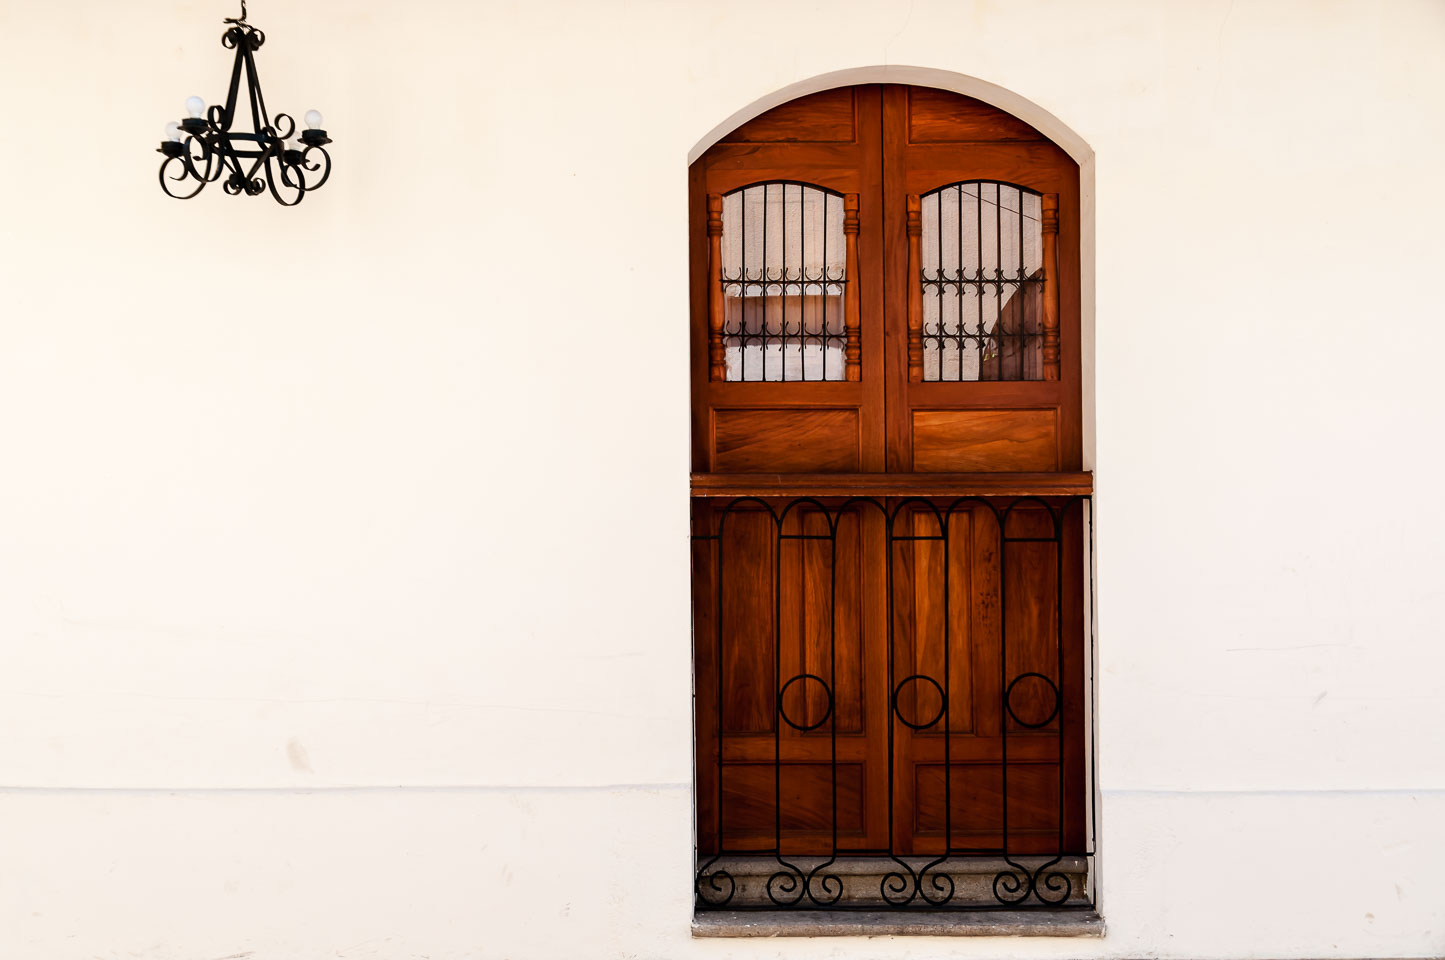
[898, 923]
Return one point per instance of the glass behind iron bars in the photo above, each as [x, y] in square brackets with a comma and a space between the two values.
[982, 254]
[783, 278]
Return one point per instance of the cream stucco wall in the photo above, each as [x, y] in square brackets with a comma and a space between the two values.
[343, 583]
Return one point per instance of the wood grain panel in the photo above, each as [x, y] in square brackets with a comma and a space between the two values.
[747, 639]
[807, 798]
[937, 116]
[785, 440]
[827, 117]
[924, 589]
[825, 624]
[985, 441]
[1030, 600]
[977, 801]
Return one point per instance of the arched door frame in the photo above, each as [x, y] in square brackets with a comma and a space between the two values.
[1072, 143]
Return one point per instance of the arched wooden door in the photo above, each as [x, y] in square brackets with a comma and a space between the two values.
[889, 530]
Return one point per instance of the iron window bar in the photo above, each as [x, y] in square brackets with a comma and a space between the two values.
[981, 263]
[782, 277]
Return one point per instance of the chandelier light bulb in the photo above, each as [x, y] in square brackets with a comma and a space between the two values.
[313, 119]
[173, 132]
[196, 107]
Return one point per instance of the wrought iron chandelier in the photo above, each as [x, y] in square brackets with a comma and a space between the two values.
[205, 148]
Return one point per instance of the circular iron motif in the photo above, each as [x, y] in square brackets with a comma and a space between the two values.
[898, 692]
[1008, 699]
[827, 692]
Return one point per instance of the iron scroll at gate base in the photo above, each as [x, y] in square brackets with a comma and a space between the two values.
[957, 877]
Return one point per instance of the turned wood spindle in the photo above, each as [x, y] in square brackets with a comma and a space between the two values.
[717, 356]
[915, 288]
[1051, 285]
[853, 342]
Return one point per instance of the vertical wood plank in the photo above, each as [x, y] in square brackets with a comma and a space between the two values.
[1074, 720]
[919, 701]
[986, 607]
[961, 671]
[848, 669]
[818, 639]
[898, 442]
[902, 657]
[746, 638]
[873, 581]
[705, 701]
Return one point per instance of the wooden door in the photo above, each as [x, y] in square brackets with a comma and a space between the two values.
[830, 141]
[1031, 422]
[882, 669]
[826, 142]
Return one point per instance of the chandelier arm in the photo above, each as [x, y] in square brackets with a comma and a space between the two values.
[238, 40]
[259, 120]
[165, 181]
[207, 155]
[216, 165]
[299, 186]
[317, 166]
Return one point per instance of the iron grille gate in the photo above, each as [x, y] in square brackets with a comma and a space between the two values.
[953, 875]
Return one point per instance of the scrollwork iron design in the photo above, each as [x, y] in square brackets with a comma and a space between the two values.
[216, 150]
[709, 886]
[899, 888]
[1014, 886]
[830, 883]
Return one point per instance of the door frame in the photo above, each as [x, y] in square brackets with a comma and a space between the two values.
[1078, 148]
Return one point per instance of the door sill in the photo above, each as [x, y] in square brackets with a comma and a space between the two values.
[1068, 922]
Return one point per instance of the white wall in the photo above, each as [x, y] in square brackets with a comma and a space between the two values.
[344, 604]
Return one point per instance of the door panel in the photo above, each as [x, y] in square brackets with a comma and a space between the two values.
[937, 116]
[827, 117]
[829, 141]
[804, 606]
[917, 163]
[985, 441]
[786, 440]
